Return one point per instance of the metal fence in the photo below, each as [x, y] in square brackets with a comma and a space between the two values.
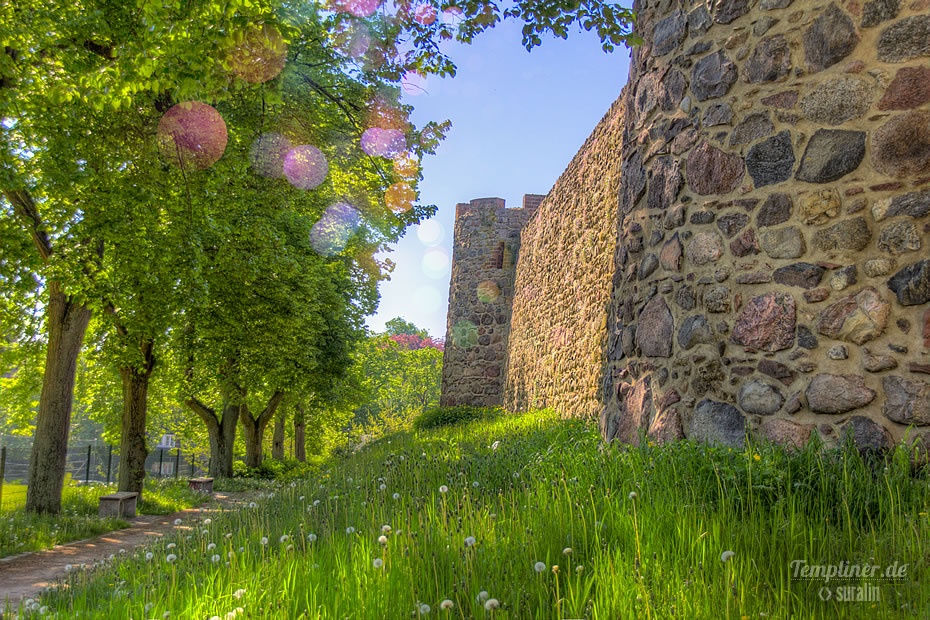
[98, 462]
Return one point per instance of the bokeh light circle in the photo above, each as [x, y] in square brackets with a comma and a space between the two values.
[192, 135]
[305, 166]
[452, 16]
[399, 197]
[425, 14]
[333, 230]
[489, 292]
[361, 8]
[267, 154]
[352, 39]
[406, 166]
[379, 142]
[258, 54]
[430, 232]
[436, 263]
[464, 334]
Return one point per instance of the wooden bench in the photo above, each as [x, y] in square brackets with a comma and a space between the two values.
[204, 485]
[121, 504]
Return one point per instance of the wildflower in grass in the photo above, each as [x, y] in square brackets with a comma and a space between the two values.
[757, 457]
[301, 498]
[382, 486]
[443, 489]
[482, 596]
[377, 563]
[68, 568]
[579, 569]
[207, 521]
[311, 537]
[253, 505]
[385, 529]
[228, 535]
[167, 614]
[264, 540]
[171, 558]
[382, 539]
[516, 475]
[555, 569]
[290, 548]
[149, 556]
[205, 532]
[396, 496]
[350, 530]
[492, 604]
[446, 605]
[211, 546]
[424, 609]
[238, 594]
[539, 566]
[283, 539]
[567, 551]
[495, 445]
[469, 541]
[43, 610]
[230, 554]
[475, 484]
[177, 522]
[632, 495]
[171, 546]
[726, 555]
[215, 559]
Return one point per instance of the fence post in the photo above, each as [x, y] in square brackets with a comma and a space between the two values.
[193, 464]
[87, 467]
[161, 461]
[177, 463]
[109, 463]
[2, 472]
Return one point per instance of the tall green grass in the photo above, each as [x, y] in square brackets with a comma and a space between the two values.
[617, 532]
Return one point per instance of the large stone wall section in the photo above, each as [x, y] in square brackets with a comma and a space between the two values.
[563, 282]
[776, 166]
[484, 256]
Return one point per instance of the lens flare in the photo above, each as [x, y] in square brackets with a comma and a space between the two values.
[361, 8]
[267, 154]
[430, 232]
[192, 135]
[258, 54]
[379, 142]
[305, 166]
[425, 14]
[464, 334]
[489, 292]
[352, 39]
[406, 166]
[452, 17]
[399, 197]
[436, 263]
[333, 230]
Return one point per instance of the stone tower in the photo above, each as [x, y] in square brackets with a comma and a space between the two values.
[484, 259]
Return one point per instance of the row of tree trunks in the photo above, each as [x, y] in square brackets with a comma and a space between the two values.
[300, 446]
[253, 428]
[133, 450]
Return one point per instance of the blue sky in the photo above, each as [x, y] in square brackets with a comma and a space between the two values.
[518, 118]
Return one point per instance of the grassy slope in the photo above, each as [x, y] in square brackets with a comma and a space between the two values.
[547, 486]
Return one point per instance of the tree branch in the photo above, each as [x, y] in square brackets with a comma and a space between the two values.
[205, 413]
[25, 207]
[270, 408]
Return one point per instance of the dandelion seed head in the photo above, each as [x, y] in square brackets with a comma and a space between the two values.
[149, 555]
[424, 609]
[311, 537]
[211, 546]
[171, 558]
[443, 489]
[482, 596]
[385, 529]
[382, 539]
[632, 495]
[446, 604]
[283, 539]
[539, 566]
[264, 540]
[215, 559]
[377, 563]
[492, 604]
[469, 541]
[567, 551]
[171, 546]
[396, 496]
[177, 522]
[726, 555]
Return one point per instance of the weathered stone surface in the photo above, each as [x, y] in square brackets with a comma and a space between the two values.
[786, 432]
[877, 267]
[877, 363]
[725, 11]
[844, 277]
[770, 61]
[759, 397]
[804, 275]
[819, 207]
[828, 393]
[831, 154]
[905, 39]
[636, 411]
[838, 352]
[783, 242]
[830, 39]
[815, 295]
[684, 297]
[699, 21]
[913, 204]
[655, 329]
[717, 114]
[670, 257]
[806, 338]
[856, 318]
[695, 330]
[716, 422]
[901, 147]
[703, 217]
[673, 89]
[704, 247]
[766, 323]
[717, 299]
[906, 402]
[852, 234]
[649, 264]
[771, 5]
[632, 181]
[775, 210]
[754, 277]
[783, 100]
[868, 436]
[912, 284]
[755, 126]
[732, 223]
[838, 100]
[899, 237]
[711, 171]
[771, 161]
[664, 183]
[876, 11]
[909, 88]
[669, 33]
[712, 76]
[745, 244]
[776, 370]
[666, 427]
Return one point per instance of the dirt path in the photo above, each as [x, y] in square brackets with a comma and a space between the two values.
[25, 576]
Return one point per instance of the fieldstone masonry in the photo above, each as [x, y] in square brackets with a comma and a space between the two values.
[768, 166]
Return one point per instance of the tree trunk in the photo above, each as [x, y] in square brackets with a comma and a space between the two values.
[300, 447]
[222, 434]
[133, 451]
[67, 322]
[277, 440]
[254, 429]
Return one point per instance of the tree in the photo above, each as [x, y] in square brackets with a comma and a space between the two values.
[398, 326]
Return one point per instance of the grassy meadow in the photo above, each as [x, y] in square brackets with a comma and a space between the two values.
[532, 517]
